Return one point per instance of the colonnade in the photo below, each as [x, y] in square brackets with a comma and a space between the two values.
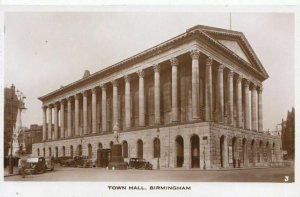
[248, 109]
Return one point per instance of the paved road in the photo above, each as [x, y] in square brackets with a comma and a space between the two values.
[101, 174]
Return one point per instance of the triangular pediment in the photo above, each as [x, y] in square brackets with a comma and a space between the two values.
[235, 48]
[233, 43]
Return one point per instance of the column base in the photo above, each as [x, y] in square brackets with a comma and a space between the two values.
[117, 161]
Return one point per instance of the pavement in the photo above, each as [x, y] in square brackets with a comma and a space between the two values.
[258, 174]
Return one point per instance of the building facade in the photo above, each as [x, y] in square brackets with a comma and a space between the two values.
[194, 101]
[11, 105]
[31, 135]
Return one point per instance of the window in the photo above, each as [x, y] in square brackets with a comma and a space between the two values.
[156, 146]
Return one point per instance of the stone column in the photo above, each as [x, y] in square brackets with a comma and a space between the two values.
[69, 117]
[220, 94]
[253, 108]
[84, 110]
[103, 87]
[239, 101]
[55, 136]
[94, 110]
[230, 97]
[115, 103]
[76, 115]
[127, 102]
[141, 98]
[62, 119]
[174, 64]
[260, 110]
[208, 89]
[44, 123]
[50, 122]
[156, 94]
[246, 105]
[195, 84]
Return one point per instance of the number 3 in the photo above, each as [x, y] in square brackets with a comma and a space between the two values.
[286, 178]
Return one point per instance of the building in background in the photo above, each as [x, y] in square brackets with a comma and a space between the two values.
[31, 135]
[194, 101]
[288, 135]
[11, 105]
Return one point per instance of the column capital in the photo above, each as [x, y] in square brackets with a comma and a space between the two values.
[253, 87]
[50, 106]
[174, 61]
[140, 73]
[195, 53]
[247, 83]
[103, 86]
[260, 89]
[230, 74]
[56, 104]
[44, 107]
[76, 96]
[220, 68]
[69, 98]
[209, 61]
[127, 78]
[114, 82]
[84, 93]
[94, 90]
[156, 67]
[63, 100]
[239, 78]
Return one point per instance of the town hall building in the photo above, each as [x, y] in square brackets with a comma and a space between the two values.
[194, 101]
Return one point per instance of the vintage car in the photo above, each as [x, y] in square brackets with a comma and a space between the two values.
[62, 160]
[139, 163]
[79, 161]
[35, 165]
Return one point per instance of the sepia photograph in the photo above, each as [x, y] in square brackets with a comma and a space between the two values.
[148, 97]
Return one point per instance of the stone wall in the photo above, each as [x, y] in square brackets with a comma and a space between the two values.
[208, 134]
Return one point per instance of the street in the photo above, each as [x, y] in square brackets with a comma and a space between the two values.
[173, 175]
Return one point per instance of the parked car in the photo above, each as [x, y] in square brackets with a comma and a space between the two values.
[62, 160]
[79, 161]
[138, 163]
[83, 161]
[35, 165]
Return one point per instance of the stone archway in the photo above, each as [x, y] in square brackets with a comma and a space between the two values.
[244, 150]
[273, 153]
[56, 152]
[223, 152]
[90, 151]
[140, 150]
[71, 151]
[195, 151]
[63, 151]
[260, 158]
[179, 151]
[79, 150]
[235, 155]
[252, 156]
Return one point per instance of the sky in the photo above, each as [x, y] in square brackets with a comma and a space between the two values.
[44, 50]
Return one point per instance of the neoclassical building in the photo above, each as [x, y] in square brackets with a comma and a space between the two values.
[194, 101]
